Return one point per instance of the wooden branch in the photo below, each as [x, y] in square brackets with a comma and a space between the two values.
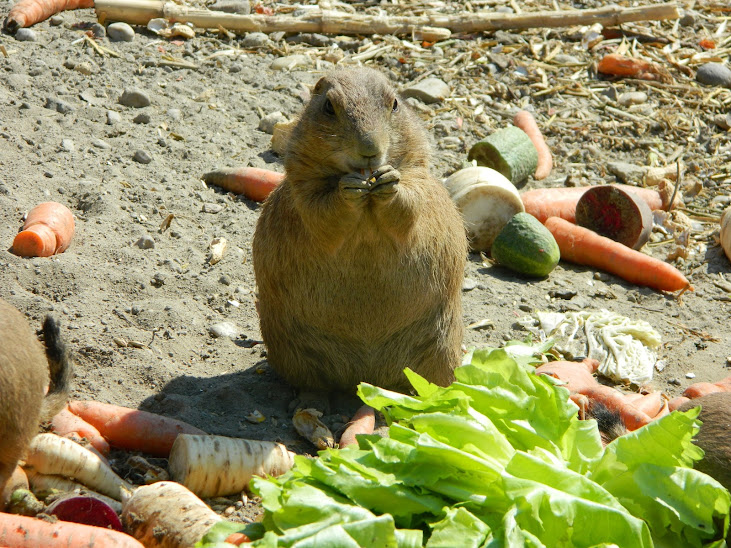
[426, 27]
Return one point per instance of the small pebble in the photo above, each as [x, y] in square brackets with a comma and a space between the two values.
[98, 143]
[254, 40]
[312, 39]
[120, 32]
[267, 123]
[142, 157]
[134, 97]
[212, 208]
[632, 98]
[564, 59]
[26, 35]
[223, 329]
[468, 284]
[175, 114]
[723, 121]
[627, 173]
[67, 145]
[242, 7]
[58, 105]
[430, 90]
[113, 117]
[141, 118]
[290, 62]
[714, 74]
[224, 279]
[158, 279]
[690, 375]
[145, 242]
[688, 19]
[98, 30]
[85, 68]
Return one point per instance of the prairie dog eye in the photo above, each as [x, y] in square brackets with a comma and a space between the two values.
[328, 107]
[394, 108]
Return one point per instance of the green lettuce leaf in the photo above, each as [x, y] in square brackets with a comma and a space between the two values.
[497, 459]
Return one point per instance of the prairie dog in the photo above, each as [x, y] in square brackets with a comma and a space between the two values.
[24, 375]
[359, 254]
[714, 436]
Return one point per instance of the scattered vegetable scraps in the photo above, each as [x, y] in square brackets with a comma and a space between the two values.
[498, 458]
[624, 347]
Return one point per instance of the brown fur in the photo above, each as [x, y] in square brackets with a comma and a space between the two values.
[357, 284]
[24, 375]
[715, 435]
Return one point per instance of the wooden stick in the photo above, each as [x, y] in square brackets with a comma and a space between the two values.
[425, 27]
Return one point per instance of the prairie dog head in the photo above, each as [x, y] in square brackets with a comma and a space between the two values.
[354, 121]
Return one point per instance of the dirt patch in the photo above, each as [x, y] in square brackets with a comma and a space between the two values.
[137, 304]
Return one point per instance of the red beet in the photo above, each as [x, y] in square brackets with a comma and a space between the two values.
[615, 213]
[85, 509]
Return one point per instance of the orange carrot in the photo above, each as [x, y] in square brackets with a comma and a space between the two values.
[543, 203]
[677, 402]
[363, 422]
[254, 183]
[619, 65]
[66, 424]
[652, 403]
[614, 400]
[576, 375]
[132, 429]
[582, 246]
[29, 12]
[700, 389]
[725, 384]
[525, 121]
[25, 532]
[237, 539]
[48, 230]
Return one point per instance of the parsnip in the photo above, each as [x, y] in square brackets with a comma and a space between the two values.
[212, 466]
[52, 454]
[48, 483]
[167, 515]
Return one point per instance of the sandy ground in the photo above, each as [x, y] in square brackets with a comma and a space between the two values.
[137, 303]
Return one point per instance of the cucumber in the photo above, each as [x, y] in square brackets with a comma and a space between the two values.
[526, 246]
[508, 151]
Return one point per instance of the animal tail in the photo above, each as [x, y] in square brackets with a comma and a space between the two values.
[60, 369]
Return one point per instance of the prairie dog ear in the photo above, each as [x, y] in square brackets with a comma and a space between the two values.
[319, 85]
